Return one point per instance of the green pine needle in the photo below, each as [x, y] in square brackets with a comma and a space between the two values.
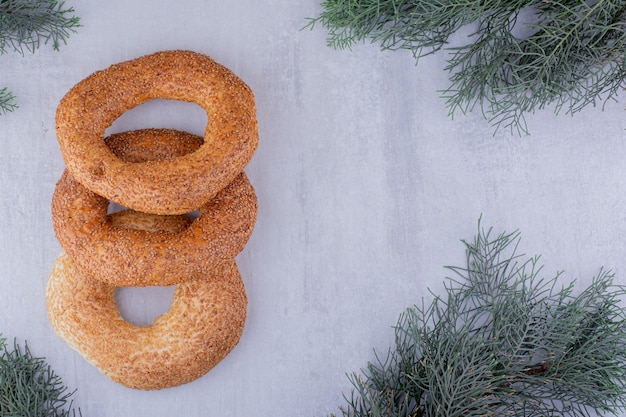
[7, 101]
[573, 55]
[29, 387]
[502, 341]
[25, 25]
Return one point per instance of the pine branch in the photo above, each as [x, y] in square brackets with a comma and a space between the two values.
[7, 101]
[502, 341]
[575, 55]
[29, 387]
[25, 25]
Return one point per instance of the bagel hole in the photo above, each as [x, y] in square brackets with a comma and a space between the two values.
[162, 113]
[142, 305]
[114, 208]
[193, 215]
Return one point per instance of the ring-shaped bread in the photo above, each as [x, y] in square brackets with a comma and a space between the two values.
[204, 323]
[170, 186]
[128, 257]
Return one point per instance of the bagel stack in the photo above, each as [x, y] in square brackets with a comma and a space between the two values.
[188, 210]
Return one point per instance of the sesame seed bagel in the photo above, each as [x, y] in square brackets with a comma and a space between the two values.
[123, 256]
[164, 186]
[204, 323]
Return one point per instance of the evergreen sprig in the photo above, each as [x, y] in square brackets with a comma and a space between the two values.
[25, 25]
[7, 102]
[503, 341]
[574, 54]
[29, 387]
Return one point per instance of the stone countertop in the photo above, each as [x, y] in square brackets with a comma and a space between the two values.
[365, 189]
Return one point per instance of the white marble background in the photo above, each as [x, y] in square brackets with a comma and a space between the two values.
[365, 189]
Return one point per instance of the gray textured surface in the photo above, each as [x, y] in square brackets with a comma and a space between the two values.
[365, 188]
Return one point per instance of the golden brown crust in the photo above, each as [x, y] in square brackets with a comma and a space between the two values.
[166, 186]
[127, 257]
[204, 323]
[153, 223]
[152, 144]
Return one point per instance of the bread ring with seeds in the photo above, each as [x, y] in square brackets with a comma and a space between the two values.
[204, 323]
[165, 186]
[128, 257]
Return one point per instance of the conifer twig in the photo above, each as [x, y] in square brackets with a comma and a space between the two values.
[29, 387]
[502, 341]
[25, 25]
[7, 102]
[574, 56]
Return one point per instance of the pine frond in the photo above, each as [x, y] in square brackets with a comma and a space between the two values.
[29, 386]
[502, 341]
[25, 25]
[573, 56]
[7, 101]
